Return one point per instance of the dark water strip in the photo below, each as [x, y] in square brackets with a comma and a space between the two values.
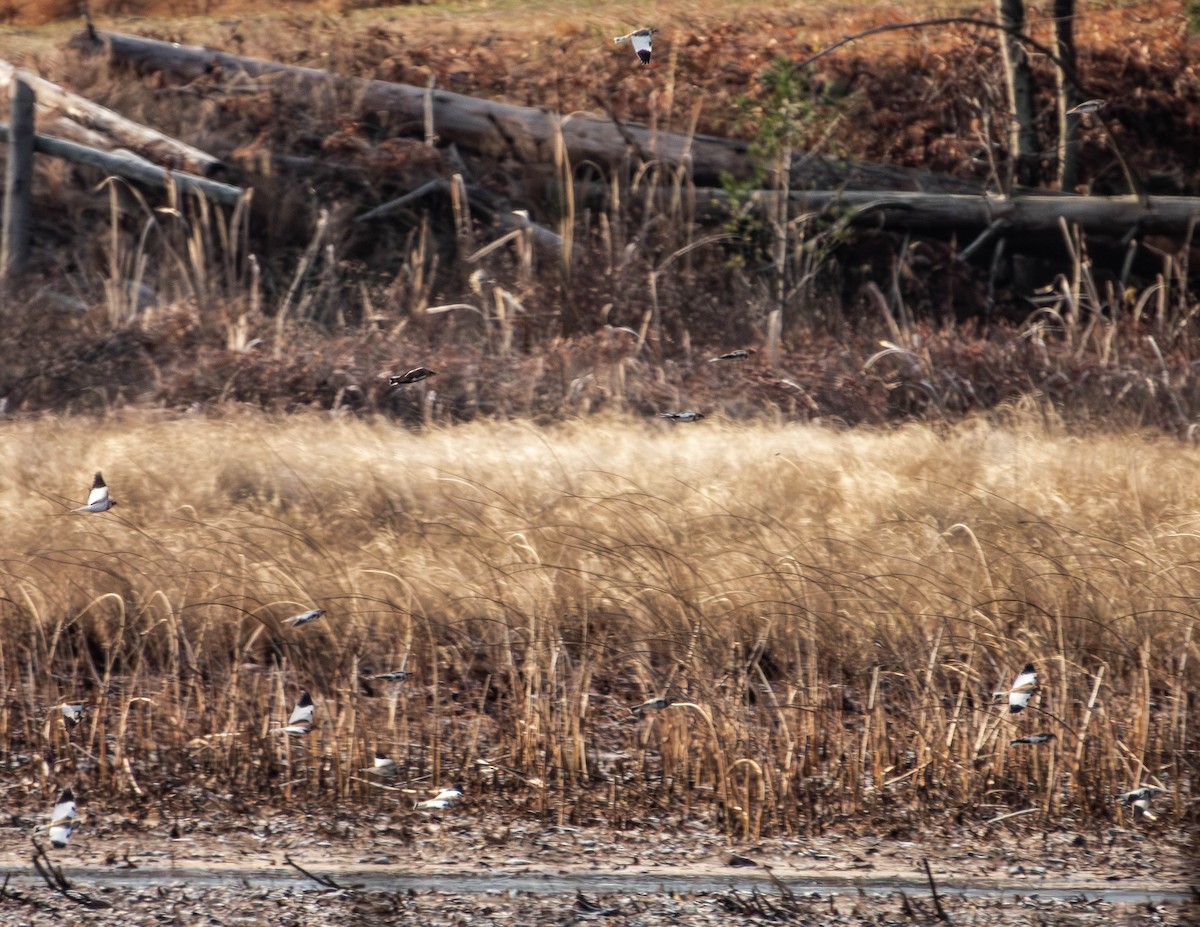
[634, 883]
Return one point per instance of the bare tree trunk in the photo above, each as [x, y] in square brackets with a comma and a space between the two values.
[1023, 138]
[1068, 95]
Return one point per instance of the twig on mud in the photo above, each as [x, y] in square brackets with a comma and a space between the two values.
[1011, 814]
[937, 901]
[325, 881]
[53, 876]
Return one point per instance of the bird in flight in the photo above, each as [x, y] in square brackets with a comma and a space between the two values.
[62, 819]
[385, 767]
[1022, 689]
[442, 800]
[740, 354]
[413, 376]
[682, 416]
[73, 711]
[301, 720]
[98, 499]
[304, 617]
[654, 704]
[1139, 800]
[1087, 106]
[642, 40]
[393, 676]
[1032, 739]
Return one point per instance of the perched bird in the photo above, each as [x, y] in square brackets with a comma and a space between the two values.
[733, 355]
[98, 499]
[1139, 801]
[442, 800]
[62, 819]
[1087, 106]
[385, 767]
[1022, 689]
[393, 676]
[682, 416]
[642, 40]
[304, 617]
[301, 721]
[654, 704]
[1032, 739]
[413, 376]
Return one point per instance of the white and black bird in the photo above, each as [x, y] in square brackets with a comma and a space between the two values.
[1087, 106]
[301, 720]
[73, 712]
[62, 819]
[740, 354]
[1032, 739]
[1139, 800]
[393, 676]
[651, 705]
[98, 499]
[413, 376]
[304, 617]
[1022, 689]
[642, 41]
[682, 416]
[385, 767]
[442, 800]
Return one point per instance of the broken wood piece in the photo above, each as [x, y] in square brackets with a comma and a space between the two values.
[132, 167]
[148, 142]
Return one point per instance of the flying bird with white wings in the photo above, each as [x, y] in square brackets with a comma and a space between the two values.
[739, 354]
[62, 819]
[1139, 801]
[1022, 689]
[442, 800]
[385, 767]
[651, 705]
[1032, 739]
[98, 499]
[301, 720]
[688, 416]
[304, 617]
[416, 375]
[393, 676]
[642, 40]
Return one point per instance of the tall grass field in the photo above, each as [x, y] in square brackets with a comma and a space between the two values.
[832, 613]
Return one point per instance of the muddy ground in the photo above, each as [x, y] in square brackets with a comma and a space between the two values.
[463, 867]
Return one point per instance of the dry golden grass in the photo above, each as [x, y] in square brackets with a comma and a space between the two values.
[836, 609]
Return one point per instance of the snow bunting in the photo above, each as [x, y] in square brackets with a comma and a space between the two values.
[304, 617]
[62, 819]
[642, 40]
[301, 721]
[1022, 689]
[442, 800]
[413, 376]
[1032, 739]
[741, 354]
[1139, 801]
[393, 676]
[98, 499]
[682, 416]
[1088, 106]
[73, 711]
[384, 767]
[654, 704]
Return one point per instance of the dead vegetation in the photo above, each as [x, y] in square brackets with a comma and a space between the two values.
[830, 613]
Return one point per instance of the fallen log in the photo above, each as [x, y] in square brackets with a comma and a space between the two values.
[146, 141]
[529, 135]
[132, 167]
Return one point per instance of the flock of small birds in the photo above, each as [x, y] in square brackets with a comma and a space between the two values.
[64, 816]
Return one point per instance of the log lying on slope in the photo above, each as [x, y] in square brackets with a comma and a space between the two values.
[125, 133]
[132, 166]
[499, 129]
